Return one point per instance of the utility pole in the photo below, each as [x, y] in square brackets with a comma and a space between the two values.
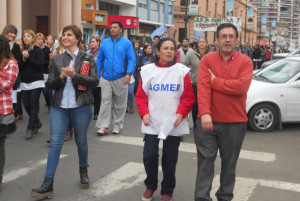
[245, 22]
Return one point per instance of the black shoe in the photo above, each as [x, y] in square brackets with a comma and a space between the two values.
[43, 192]
[95, 116]
[36, 129]
[84, 178]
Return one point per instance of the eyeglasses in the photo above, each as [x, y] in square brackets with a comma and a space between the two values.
[224, 36]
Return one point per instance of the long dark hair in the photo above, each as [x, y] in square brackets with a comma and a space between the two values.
[5, 53]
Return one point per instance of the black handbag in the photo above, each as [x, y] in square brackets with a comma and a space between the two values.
[7, 124]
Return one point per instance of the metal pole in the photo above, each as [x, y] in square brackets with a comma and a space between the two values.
[245, 23]
[185, 19]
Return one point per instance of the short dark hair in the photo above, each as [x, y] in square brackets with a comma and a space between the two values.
[185, 38]
[164, 40]
[9, 28]
[117, 22]
[156, 37]
[227, 25]
[76, 31]
[5, 52]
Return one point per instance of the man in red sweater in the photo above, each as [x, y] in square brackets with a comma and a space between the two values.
[223, 80]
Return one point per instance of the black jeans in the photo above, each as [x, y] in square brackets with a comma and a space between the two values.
[97, 99]
[18, 106]
[195, 105]
[169, 161]
[2, 156]
[228, 139]
[47, 95]
[31, 104]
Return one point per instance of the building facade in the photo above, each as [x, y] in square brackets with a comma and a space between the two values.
[212, 9]
[45, 16]
[152, 14]
[284, 12]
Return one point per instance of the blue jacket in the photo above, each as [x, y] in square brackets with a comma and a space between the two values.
[115, 59]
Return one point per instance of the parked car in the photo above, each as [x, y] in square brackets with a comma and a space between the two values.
[279, 56]
[274, 95]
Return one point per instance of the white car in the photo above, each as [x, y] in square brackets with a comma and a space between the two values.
[274, 95]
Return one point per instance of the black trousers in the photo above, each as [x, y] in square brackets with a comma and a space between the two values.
[2, 156]
[169, 161]
[228, 139]
[195, 106]
[18, 106]
[31, 102]
[97, 99]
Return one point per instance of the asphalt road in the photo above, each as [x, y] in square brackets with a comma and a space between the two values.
[268, 168]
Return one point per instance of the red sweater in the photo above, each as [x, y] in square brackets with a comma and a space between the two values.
[187, 98]
[224, 98]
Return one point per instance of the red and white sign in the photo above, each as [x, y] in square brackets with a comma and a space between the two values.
[127, 21]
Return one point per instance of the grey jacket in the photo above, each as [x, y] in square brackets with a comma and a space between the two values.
[55, 83]
[193, 62]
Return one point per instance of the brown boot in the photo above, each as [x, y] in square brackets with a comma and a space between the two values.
[131, 111]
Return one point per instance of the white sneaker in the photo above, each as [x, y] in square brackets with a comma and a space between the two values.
[115, 131]
[102, 131]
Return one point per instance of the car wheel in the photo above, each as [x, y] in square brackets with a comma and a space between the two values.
[263, 118]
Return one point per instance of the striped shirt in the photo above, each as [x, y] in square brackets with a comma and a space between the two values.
[8, 76]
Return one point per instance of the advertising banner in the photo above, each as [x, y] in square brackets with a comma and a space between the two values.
[250, 19]
[127, 21]
[193, 8]
[263, 23]
[230, 6]
[210, 24]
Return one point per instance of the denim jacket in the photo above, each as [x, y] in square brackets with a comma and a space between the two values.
[55, 83]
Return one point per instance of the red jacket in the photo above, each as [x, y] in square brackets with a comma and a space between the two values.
[225, 97]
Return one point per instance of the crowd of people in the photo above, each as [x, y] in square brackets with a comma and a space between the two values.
[165, 79]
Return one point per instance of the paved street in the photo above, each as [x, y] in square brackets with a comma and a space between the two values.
[268, 168]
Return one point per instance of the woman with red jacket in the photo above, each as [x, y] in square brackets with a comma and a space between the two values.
[164, 98]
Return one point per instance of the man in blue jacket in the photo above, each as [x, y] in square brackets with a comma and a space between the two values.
[116, 63]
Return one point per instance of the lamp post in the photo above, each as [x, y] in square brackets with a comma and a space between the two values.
[245, 22]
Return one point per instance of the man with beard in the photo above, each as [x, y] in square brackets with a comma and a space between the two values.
[185, 49]
[223, 80]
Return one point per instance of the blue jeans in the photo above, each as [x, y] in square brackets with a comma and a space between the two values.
[80, 118]
[130, 94]
[169, 161]
[31, 102]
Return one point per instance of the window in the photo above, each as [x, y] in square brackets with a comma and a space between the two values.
[154, 5]
[89, 6]
[183, 2]
[143, 4]
[170, 10]
[112, 9]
